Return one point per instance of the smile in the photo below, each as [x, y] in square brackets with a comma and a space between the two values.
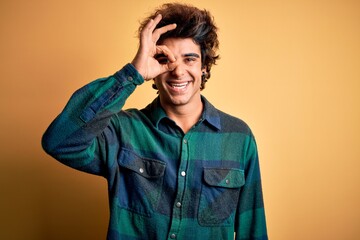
[178, 86]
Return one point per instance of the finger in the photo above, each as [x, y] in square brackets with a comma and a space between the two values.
[162, 49]
[159, 31]
[157, 19]
[165, 28]
[151, 25]
[166, 68]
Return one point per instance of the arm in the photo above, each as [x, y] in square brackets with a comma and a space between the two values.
[74, 137]
[82, 134]
[250, 218]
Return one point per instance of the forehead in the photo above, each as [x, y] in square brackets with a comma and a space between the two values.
[181, 46]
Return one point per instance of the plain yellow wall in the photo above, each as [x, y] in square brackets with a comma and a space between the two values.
[290, 69]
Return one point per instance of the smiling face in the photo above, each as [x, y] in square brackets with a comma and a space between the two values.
[181, 87]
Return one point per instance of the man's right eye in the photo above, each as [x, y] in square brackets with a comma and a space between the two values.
[162, 60]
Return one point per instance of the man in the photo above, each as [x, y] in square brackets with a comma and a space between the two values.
[179, 168]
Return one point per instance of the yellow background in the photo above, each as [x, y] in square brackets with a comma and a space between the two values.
[290, 69]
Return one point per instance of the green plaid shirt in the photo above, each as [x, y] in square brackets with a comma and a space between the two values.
[162, 183]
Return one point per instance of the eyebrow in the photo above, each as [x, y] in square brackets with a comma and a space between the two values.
[191, 55]
[161, 55]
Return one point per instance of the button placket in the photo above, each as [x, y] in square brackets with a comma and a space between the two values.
[178, 205]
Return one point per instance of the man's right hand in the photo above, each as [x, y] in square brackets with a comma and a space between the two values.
[145, 61]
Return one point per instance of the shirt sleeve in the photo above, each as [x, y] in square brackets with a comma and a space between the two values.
[250, 219]
[76, 137]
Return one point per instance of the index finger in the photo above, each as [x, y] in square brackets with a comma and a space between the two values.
[162, 50]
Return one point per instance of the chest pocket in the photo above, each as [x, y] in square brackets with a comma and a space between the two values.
[219, 196]
[141, 181]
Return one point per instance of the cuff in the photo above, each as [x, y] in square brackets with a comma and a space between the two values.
[129, 74]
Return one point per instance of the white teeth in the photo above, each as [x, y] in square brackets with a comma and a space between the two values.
[180, 86]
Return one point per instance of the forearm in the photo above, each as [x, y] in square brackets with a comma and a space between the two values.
[73, 137]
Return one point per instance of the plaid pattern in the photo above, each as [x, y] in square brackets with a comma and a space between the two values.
[163, 184]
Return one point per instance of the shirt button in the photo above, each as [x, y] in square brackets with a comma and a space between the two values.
[227, 181]
[141, 170]
[130, 78]
[185, 141]
[173, 236]
[178, 204]
[183, 173]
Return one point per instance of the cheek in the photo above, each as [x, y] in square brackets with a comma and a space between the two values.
[159, 79]
[197, 75]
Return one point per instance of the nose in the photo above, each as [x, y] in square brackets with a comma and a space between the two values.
[178, 69]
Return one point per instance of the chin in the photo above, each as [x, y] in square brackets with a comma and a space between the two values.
[179, 101]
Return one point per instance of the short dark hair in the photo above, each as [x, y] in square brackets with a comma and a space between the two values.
[191, 22]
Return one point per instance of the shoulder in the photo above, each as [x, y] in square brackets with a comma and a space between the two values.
[224, 121]
[230, 123]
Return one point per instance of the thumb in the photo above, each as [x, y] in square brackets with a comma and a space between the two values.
[169, 67]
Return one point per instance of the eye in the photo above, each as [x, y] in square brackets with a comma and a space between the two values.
[162, 60]
[190, 60]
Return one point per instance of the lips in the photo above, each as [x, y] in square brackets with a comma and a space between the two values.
[178, 86]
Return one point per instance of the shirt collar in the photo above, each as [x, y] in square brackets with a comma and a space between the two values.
[210, 114]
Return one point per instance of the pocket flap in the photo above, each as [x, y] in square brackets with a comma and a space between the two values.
[149, 168]
[224, 177]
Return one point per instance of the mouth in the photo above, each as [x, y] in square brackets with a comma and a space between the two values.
[178, 86]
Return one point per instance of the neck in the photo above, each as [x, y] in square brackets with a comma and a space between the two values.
[185, 116]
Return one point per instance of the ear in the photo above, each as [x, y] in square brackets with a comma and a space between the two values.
[204, 71]
[204, 74]
[154, 85]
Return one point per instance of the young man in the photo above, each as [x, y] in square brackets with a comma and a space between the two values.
[179, 168]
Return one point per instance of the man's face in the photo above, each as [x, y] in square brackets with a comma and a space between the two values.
[182, 85]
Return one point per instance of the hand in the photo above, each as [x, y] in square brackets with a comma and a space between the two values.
[145, 61]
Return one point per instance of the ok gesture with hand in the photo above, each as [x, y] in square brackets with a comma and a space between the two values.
[145, 61]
